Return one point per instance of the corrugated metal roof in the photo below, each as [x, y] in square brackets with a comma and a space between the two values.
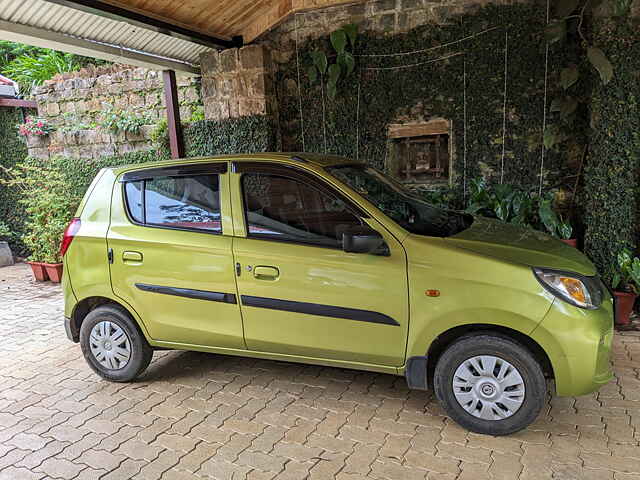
[94, 28]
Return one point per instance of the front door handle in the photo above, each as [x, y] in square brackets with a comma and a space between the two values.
[131, 257]
[265, 272]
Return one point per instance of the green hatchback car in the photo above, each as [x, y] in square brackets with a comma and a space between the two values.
[321, 260]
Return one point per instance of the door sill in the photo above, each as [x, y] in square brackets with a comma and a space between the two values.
[280, 357]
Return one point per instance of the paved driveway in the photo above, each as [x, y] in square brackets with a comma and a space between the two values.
[196, 415]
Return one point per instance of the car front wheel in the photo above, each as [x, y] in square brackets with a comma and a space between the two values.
[113, 345]
[490, 384]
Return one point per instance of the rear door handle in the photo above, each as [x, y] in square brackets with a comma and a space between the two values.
[131, 257]
[263, 272]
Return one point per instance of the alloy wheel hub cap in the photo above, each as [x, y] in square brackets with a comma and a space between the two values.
[488, 387]
[110, 345]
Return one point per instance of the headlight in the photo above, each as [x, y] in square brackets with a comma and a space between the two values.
[576, 289]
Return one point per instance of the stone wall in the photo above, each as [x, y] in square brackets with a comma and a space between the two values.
[76, 104]
[237, 82]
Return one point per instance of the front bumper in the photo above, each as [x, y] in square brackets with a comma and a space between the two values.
[578, 343]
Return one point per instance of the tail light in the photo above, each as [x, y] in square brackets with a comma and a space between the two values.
[69, 233]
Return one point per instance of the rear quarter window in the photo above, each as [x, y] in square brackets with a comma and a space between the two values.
[180, 202]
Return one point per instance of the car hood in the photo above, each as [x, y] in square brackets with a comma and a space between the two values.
[521, 245]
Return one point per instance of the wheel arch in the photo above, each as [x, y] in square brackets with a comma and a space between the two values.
[446, 338]
[88, 304]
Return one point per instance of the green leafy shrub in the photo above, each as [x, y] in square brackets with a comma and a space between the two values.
[5, 233]
[116, 120]
[30, 70]
[627, 276]
[517, 206]
[49, 207]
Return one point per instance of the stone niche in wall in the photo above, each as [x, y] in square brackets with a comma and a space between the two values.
[420, 154]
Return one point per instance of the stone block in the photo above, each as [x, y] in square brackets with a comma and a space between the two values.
[139, 73]
[53, 109]
[146, 131]
[191, 95]
[185, 113]
[250, 106]
[229, 60]
[151, 99]
[209, 87]
[210, 63]
[252, 56]
[216, 110]
[136, 100]
[42, 153]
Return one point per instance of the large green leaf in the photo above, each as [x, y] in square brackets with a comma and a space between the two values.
[339, 40]
[550, 136]
[332, 90]
[313, 74]
[352, 33]
[555, 31]
[564, 8]
[569, 76]
[568, 106]
[334, 73]
[347, 61]
[548, 216]
[621, 7]
[319, 60]
[601, 63]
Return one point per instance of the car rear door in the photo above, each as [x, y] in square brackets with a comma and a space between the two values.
[170, 246]
[301, 294]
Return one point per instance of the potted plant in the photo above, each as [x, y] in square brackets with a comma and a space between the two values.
[626, 285]
[45, 195]
[554, 223]
[6, 257]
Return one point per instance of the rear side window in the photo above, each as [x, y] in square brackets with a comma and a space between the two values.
[181, 202]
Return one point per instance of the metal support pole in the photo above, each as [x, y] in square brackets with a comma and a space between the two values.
[176, 140]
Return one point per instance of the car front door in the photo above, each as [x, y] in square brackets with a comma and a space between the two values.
[170, 245]
[301, 294]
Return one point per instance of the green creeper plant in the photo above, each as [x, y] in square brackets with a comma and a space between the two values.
[341, 40]
[627, 277]
[48, 204]
[567, 28]
[116, 120]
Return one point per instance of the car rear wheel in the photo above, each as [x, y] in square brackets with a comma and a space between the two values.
[490, 384]
[113, 345]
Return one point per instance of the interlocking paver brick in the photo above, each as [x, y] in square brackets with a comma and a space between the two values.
[60, 468]
[101, 459]
[19, 473]
[203, 416]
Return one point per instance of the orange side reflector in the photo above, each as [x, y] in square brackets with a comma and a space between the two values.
[432, 293]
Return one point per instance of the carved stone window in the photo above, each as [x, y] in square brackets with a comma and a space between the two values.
[420, 153]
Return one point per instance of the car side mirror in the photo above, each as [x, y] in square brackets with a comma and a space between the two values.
[364, 239]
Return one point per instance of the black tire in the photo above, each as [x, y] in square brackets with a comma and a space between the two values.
[141, 352]
[506, 349]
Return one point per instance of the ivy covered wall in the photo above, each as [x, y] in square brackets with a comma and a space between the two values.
[484, 71]
[612, 173]
[13, 149]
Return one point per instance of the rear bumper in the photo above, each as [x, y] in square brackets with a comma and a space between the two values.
[71, 334]
[578, 343]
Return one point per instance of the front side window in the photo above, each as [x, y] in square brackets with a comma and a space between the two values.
[401, 205]
[183, 202]
[288, 209]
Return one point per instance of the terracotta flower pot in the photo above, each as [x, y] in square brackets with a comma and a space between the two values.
[572, 242]
[39, 272]
[624, 306]
[54, 271]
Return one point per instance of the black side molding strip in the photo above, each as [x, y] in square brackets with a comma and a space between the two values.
[189, 293]
[318, 309]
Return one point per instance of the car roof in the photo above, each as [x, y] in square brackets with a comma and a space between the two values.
[317, 159]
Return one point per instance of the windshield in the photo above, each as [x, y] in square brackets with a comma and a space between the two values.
[394, 200]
